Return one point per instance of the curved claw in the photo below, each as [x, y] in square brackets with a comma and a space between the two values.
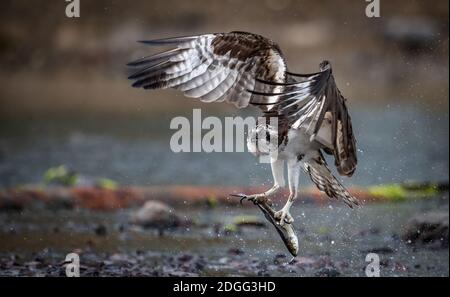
[240, 201]
[252, 198]
[242, 196]
[283, 217]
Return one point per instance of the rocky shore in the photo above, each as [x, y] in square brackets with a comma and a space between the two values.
[156, 239]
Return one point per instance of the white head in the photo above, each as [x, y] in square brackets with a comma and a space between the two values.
[262, 140]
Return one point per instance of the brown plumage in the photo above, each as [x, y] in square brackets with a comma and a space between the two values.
[311, 100]
[244, 68]
[325, 181]
[212, 67]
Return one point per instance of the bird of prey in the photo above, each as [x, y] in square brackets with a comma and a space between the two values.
[248, 69]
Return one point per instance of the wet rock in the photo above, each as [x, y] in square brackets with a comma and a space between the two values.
[370, 231]
[155, 214]
[185, 258]
[385, 262]
[343, 264]
[399, 267]
[61, 199]
[100, 230]
[10, 206]
[380, 250]
[122, 228]
[328, 272]
[181, 274]
[305, 262]
[263, 273]
[235, 251]
[324, 261]
[199, 264]
[279, 259]
[431, 227]
[119, 258]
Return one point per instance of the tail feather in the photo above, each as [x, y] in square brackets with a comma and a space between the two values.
[326, 182]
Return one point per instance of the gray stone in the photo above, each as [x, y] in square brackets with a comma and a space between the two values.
[431, 227]
[155, 214]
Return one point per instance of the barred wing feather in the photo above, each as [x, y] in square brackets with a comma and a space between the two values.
[306, 100]
[212, 67]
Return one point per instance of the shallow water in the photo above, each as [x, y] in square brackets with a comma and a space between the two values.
[332, 236]
[396, 143]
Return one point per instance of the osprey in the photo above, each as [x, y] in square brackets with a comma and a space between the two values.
[248, 69]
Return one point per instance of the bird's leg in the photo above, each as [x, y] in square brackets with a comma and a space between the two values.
[283, 215]
[277, 166]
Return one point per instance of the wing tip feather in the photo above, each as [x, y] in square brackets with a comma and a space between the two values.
[172, 40]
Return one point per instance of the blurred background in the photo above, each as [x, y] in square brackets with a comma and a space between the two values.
[65, 99]
[69, 117]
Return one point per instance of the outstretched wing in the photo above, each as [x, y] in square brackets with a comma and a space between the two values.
[313, 101]
[326, 182]
[212, 67]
